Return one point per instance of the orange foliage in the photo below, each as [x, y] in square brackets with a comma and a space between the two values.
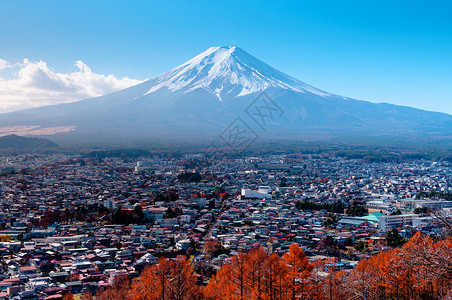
[257, 275]
[168, 279]
[68, 296]
[421, 269]
[222, 286]
[298, 277]
[152, 282]
[119, 290]
[210, 247]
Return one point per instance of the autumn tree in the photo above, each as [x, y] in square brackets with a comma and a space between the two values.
[222, 285]
[443, 219]
[420, 269]
[168, 279]
[429, 262]
[5, 238]
[68, 296]
[398, 279]
[152, 282]
[255, 264]
[337, 287]
[238, 279]
[239, 270]
[251, 275]
[182, 281]
[275, 272]
[210, 246]
[299, 272]
[120, 290]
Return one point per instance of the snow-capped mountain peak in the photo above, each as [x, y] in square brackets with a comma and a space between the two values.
[201, 99]
[227, 70]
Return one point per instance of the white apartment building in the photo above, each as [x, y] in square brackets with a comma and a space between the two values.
[262, 193]
[388, 222]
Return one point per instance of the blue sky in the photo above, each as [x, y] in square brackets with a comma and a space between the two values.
[382, 51]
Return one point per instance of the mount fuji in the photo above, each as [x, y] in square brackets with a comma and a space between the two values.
[201, 98]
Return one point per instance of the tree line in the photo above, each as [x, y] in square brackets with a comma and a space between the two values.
[420, 269]
[335, 207]
[433, 195]
[353, 209]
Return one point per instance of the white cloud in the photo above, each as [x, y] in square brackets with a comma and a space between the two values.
[34, 84]
[3, 64]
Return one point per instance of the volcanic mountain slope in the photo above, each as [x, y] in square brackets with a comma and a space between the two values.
[203, 96]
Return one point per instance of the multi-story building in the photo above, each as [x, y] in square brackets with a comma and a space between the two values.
[388, 222]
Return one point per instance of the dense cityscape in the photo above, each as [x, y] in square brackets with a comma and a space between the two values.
[74, 224]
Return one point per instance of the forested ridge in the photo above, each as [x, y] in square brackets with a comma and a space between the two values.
[420, 269]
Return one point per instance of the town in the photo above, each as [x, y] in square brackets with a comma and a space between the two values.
[73, 222]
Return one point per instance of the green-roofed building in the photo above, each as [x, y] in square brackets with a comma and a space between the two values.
[373, 218]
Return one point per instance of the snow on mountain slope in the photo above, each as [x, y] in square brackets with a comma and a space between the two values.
[201, 98]
[228, 71]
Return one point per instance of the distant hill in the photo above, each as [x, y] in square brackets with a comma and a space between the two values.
[19, 142]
